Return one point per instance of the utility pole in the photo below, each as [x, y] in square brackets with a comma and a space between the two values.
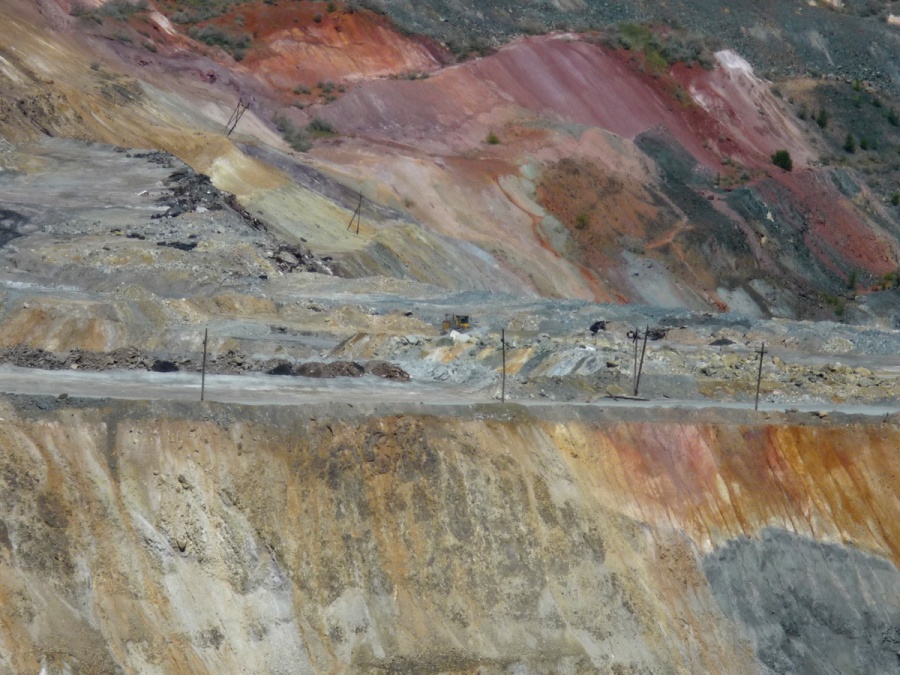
[637, 381]
[762, 352]
[503, 386]
[236, 117]
[634, 338]
[357, 214]
[203, 371]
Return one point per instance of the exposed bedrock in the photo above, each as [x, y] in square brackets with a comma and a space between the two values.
[810, 607]
[166, 538]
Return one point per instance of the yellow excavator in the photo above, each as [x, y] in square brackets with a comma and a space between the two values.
[455, 322]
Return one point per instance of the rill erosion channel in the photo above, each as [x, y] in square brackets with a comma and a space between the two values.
[449, 337]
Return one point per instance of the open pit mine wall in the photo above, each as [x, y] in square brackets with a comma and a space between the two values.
[177, 538]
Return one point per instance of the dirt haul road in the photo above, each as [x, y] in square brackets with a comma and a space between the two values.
[261, 389]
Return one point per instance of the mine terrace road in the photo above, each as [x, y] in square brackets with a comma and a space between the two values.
[262, 389]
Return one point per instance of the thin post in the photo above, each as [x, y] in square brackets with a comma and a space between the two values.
[634, 338]
[637, 382]
[203, 371]
[357, 214]
[503, 386]
[762, 351]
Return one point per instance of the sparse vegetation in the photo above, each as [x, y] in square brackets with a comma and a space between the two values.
[852, 278]
[581, 221]
[320, 127]
[850, 143]
[838, 305]
[895, 199]
[893, 118]
[492, 138]
[233, 43]
[296, 137]
[301, 90]
[782, 159]
[661, 50]
[822, 118]
[116, 10]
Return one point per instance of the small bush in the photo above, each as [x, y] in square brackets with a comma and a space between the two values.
[321, 127]
[300, 89]
[117, 10]
[852, 279]
[822, 118]
[837, 305]
[782, 159]
[581, 221]
[233, 43]
[850, 143]
[863, 143]
[492, 139]
[895, 199]
[893, 118]
[297, 138]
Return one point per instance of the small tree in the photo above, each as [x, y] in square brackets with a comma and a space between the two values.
[492, 139]
[782, 159]
[850, 143]
[822, 118]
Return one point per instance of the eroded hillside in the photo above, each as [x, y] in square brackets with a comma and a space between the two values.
[558, 166]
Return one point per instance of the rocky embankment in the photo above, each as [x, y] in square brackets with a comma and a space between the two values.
[174, 538]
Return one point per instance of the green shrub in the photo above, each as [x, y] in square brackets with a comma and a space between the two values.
[233, 43]
[893, 118]
[850, 143]
[321, 127]
[822, 118]
[117, 10]
[782, 159]
[492, 138]
[297, 138]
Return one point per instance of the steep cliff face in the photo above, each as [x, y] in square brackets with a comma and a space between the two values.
[160, 538]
